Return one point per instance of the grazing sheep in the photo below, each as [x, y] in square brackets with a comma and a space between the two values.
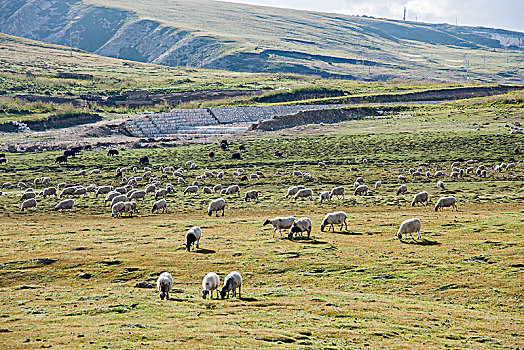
[440, 185]
[91, 188]
[181, 181]
[206, 190]
[360, 180]
[299, 226]
[49, 191]
[378, 184]
[291, 191]
[94, 171]
[362, 190]
[216, 205]
[402, 189]
[21, 185]
[338, 218]
[364, 161]
[251, 195]
[428, 174]
[210, 283]
[119, 198]
[322, 165]
[324, 196]
[161, 193]
[80, 190]
[304, 193]
[416, 173]
[232, 281]
[223, 191]
[233, 189]
[7, 185]
[409, 226]
[454, 174]
[446, 202]
[46, 180]
[439, 174]
[421, 197]
[67, 204]
[253, 177]
[170, 188]
[118, 209]
[150, 189]
[137, 195]
[297, 173]
[193, 236]
[511, 166]
[68, 191]
[122, 190]
[82, 173]
[103, 190]
[131, 207]
[483, 173]
[161, 204]
[28, 195]
[307, 177]
[30, 203]
[164, 283]
[217, 188]
[402, 178]
[337, 191]
[280, 223]
[191, 189]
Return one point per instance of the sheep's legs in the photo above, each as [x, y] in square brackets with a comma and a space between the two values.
[239, 292]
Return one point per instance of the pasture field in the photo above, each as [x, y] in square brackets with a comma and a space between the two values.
[460, 286]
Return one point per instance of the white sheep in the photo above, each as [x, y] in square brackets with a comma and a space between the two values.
[378, 184]
[80, 190]
[291, 191]
[324, 196]
[280, 223]
[122, 190]
[304, 193]
[164, 283]
[362, 190]
[67, 204]
[181, 181]
[210, 283]
[30, 203]
[49, 191]
[150, 189]
[446, 202]
[191, 189]
[337, 191]
[161, 204]
[91, 188]
[119, 198]
[103, 190]
[217, 188]
[94, 171]
[299, 226]
[402, 189]
[233, 189]
[409, 226]
[421, 197]
[68, 191]
[118, 209]
[440, 185]
[137, 195]
[160, 193]
[216, 205]
[207, 190]
[232, 281]
[402, 178]
[251, 195]
[253, 177]
[27, 195]
[193, 236]
[438, 173]
[336, 218]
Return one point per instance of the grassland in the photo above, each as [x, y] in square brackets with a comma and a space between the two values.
[460, 286]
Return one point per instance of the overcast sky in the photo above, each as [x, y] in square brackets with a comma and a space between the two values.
[506, 14]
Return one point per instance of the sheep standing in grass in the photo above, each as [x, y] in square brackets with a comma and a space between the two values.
[103, 190]
[409, 226]
[280, 223]
[299, 226]
[49, 191]
[233, 189]
[362, 190]
[217, 188]
[446, 202]
[193, 236]
[402, 189]
[337, 191]
[440, 185]
[120, 198]
[251, 195]
[216, 205]
[164, 283]
[292, 190]
[30, 203]
[322, 164]
[232, 281]
[304, 193]
[336, 218]
[158, 205]
[402, 178]
[68, 191]
[207, 190]
[191, 189]
[137, 195]
[324, 196]
[421, 197]
[28, 195]
[161, 193]
[67, 204]
[210, 283]
[118, 209]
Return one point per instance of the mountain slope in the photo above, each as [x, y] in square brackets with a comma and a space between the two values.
[211, 34]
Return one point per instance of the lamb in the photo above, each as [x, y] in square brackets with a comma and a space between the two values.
[337, 191]
[299, 226]
[103, 190]
[67, 204]
[251, 195]
[402, 189]
[446, 202]
[160, 193]
[191, 189]
[137, 195]
[193, 236]
[161, 204]
[409, 226]
[49, 191]
[118, 209]
[210, 283]
[232, 281]
[233, 189]
[280, 223]
[28, 195]
[378, 184]
[181, 181]
[216, 205]
[324, 196]
[207, 190]
[30, 203]
[304, 193]
[338, 218]
[362, 190]
[94, 171]
[421, 197]
[68, 191]
[164, 283]
[440, 185]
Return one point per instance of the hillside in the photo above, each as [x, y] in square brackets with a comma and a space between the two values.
[220, 35]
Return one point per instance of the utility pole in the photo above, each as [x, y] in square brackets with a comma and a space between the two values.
[404, 13]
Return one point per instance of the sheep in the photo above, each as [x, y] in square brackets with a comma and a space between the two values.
[80, 190]
[49, 191]
[131, 207]
[232, 281]
[233, 189]
[322, 165]
[280, 223]
[191, 189]
[362, 190]
[445, 202]
[360, 180]
[511, 166]
[170, 188]
[338, 218]
[251, 195]
[454, 174]
[150, 189]
[297, 173]
[421, 197]
[91, 188]
[304, 193]
[217, 188]
[356, 184]
[103, 190]
[119, 198]
[67, 204]
[28, 195]
[416, 173]
[160, 193]
[46, 180]
[307, 177]
[193, 236]
[216, 205]
[402, 178]
[240, 170]
[137, 195]
[82, 173]
[378, 184]
[402, 189]
[69, 191]
[181, 181]
[21, 185]
[207, 190]
[30, 203]
[455, 164]
[161, 204]
[409, 226]
[253, 177]
[440, 185]
[299, 226]
[122, 190]
[118, 209]
[324, 196]
[210, 283]
[94, 171]
[337, 191]
[223, 191]
[428, 174]
[291, 191]
[439, 174]
[483, 173]
[164, 284]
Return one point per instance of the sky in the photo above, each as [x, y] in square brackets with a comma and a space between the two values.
[505, 14]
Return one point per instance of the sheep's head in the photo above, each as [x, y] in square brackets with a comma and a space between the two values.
[399, 236]
[205, 292]
[436, 207]
[322, 225]
[265, 222]
[223, 293]
[162, 295]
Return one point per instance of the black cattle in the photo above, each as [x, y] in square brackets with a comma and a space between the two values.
[236, 156]
[211, 155]
[144, 160]
[87, 147]
[2, 155]
[69, 153]
[112, 152]
[77, 149]
[3, 160]
[224, 142]
[223, 146]
[61, 159]
[242, 148]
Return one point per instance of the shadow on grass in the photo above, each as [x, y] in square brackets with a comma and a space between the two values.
[205, 251]
[307, 240]
[423, 242]
[248, 299]
[348, 233]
